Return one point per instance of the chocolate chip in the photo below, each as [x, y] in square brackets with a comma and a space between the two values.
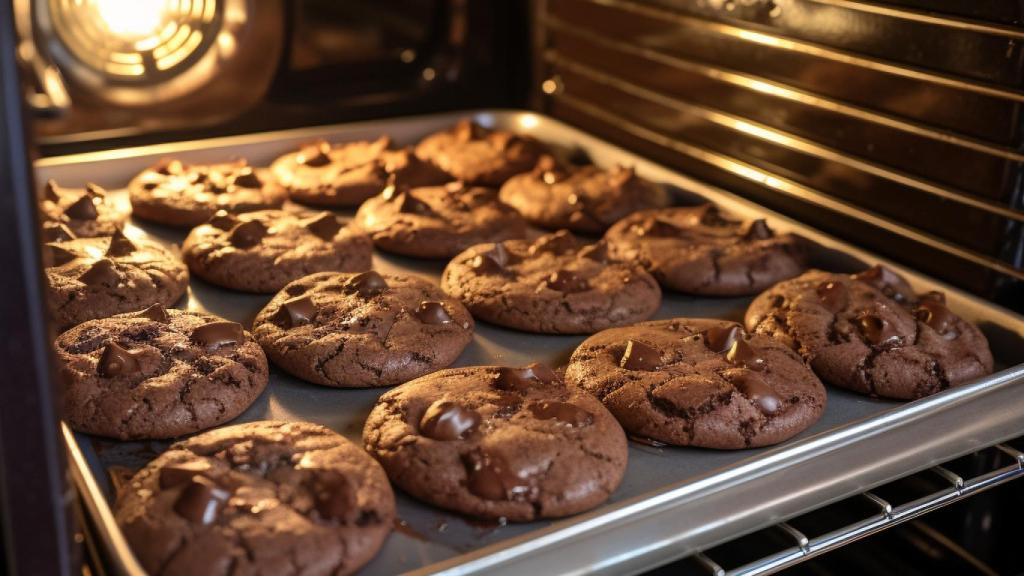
[655, 228]
[367, 284]
[432, 313]
[120, 245]
[491, 478]
[56, 256]
[218, 333]
[935, 315]
[757, 390]
[177, 474]
[222, 220]
[297, 311]
[640, 356]
[564, 412]
[556, 243]
[56, 232]
[743, 354]
[315, 155]
[117, 361]
[247, 234]
[890, 283]
[247, 178]
[833, 296]
[82, 209]
[493, 261]
[567, 281]
[756, 230]
[169, 167]
[201, 501]
[521, 379]
[721, 339]
[597, 252]
[712, 216]
[876, 330]
[448, 421]
[156, 313]
[50, 190]
[325, 226]
[409, 204]
[102, 273]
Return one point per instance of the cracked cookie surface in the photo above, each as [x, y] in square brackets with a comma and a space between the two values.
[362, 330]
[584, 199]
[437, 221]
[345, 174]
[702, 251]
[157, 373]
[86, 212]
[97, 277]
[174, 193]
[871, 334]
[478, 155]
[498, 442]
[552, 285]
[264, 250]
[258, 498]
[699, 382]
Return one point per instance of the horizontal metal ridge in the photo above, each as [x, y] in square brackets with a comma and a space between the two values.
[791, 188]
[787, 92]
[785, 139]
[927, 18]
[784, 43]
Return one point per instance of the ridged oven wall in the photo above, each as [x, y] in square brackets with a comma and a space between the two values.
[896, 126]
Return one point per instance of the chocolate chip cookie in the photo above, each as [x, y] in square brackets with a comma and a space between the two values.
[157, 373]
[871, 334]
[584, 199]
[262, 251]
[478, 155]
[361, 330]
[553, 285]
[345, 174]
[703, 251]
[86, 212]
[178, 194]
[258, 498]
[98, 277]
[437, 221]
[699, 382]
[498, 442]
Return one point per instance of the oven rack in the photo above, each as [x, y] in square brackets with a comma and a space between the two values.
[954, 488]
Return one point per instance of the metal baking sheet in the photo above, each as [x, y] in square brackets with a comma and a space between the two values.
[673, 501]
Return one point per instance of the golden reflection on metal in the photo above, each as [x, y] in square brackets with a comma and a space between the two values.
[788, 187]
[932, 19]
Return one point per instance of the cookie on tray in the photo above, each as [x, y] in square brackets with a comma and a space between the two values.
[361, 330]
[478, 155]
[699, 382]
[86, 212]
[871, 334]
[700, 250]
[346, 174]
[437, 221]
[258, 498]
[264, 250]
[174, 193]
[554, 285]
[98, 277]
[498, 442]
[584, 199]
[157, 373]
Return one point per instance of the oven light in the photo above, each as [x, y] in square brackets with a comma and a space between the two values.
[131, 19]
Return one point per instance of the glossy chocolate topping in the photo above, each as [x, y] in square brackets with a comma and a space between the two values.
[325, 226]
[117, 361]
[217, 334]
[640, 356]
[201, 501]
[491, 478]
[935, 314]
[833, 296]
[751, 385]
[890, 283]
[247, 234]
[448, 421]
[297, 311]
[432, 313]
[564, 412]
[721, 340]
[156, 313]
[520, 379]
[367, 284]
[743, 354]
[102, 273]
[876, 330]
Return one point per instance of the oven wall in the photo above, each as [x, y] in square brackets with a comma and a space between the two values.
[894, 125]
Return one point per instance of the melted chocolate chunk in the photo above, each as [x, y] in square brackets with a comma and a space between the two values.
[57, 256]
[640, 356]
[597, 252]
[247, 234]
[754, 387]
[56, 232]
[246, 178]
[833, 296]
[890, 283]
[367, 284]
[876, 330]
[409, 204]
[325, 226]
[522, 379]
[335, 498]
[297, 311]
[201, 501]
[177, 474]
[82, 209]
[743, 354]
[117, 361]
[491, 262]
[120, 245]
[156, 313]
[564, 412]
[432, 313]
[491, 478]
[757, 230]
[655, 228]
[222, 220]
[218, 333]
[316, 155]
[556, 243]
[101, 273]
[567, 281]
[721, 340]
[935, 314]
[447, 421]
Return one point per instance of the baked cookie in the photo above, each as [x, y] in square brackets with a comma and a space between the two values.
[702, 251]
[157, 373]
[495, 442]
[699, 382]
[478, 155]
[264, 250]
[553, 285]
[98, 277]
[584, 199]
[361, 330]
[86, 212]
[871, 334]
[340, 175]
[258, 498]
[437, 221]
[179, 194]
